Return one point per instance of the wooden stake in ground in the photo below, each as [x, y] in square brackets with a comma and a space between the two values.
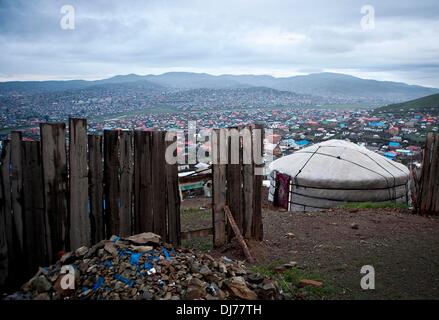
[238, 235]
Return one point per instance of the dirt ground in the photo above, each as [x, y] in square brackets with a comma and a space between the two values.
[333, 245]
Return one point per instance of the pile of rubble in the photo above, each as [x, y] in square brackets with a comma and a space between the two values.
[142, 268]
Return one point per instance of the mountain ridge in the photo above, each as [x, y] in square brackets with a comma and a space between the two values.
[428, 102]
[325, 84]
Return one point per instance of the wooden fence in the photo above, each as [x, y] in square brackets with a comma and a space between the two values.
[57, 194]
[427, 199]
[237, 182]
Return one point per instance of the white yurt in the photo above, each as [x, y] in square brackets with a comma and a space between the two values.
[335, 172]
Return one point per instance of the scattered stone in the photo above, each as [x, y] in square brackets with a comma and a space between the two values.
[82, 251]
[312, 283]
[40, 284]
[354, 225]
[144, 238]
[68, 258]
[142, 268]
[239, 289]
[290, 235]
[42, 296]
[290, 264]
[110, 248]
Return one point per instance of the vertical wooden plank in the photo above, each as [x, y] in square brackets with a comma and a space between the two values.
[80, 229]
[4, 263]
[425, 175]
[111, 180]
[429, 192]
[34, 223]
[96, 187]
[143, 215]
[126, 183]
[219, 187]
[248, 182]
[234, 180]
[54, 160]
[17, 186]
[12, 245]
[158, 182]
[435, 177]
[173, 198]
[258, 149]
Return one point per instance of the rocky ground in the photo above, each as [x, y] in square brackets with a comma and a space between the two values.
[142, 268]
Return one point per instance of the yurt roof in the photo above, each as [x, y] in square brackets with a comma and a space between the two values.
[341, 164]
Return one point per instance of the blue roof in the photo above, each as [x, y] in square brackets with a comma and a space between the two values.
[389, 155]
[302, 142]
[376, 124]
[394, 144]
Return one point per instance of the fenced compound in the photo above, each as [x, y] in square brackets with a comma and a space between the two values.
[57, 196]
[427, 199]
[74, 190]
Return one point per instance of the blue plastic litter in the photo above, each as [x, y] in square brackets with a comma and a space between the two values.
[108, 263]
[166, 253]
[116, 238]
[134, 259]
[148, 266]
[98, 283]
[124, 280]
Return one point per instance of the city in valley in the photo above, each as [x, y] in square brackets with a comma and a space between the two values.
[297, 119]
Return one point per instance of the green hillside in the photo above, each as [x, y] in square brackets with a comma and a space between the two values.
[424, 103]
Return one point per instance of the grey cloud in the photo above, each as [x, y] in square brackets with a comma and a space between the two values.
[272, 37]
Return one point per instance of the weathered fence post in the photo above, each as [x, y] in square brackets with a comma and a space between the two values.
[248, 181]
[172, 192]
[34, 217]
[7, 207]
[16, 172]
[143, 215]
[126, 183]
[4, 267]
[219, 149]
[111, 182]
[258, 157]
[159, 184]
[53, 153]
[80, 229]
[428, 201]
[96, 187]
[234, 179]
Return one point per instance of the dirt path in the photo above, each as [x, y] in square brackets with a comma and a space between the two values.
[402, 247]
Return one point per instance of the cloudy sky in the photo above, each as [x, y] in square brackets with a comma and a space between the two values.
[280, 38]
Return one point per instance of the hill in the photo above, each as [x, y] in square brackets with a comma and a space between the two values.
[424, 103]
[345, 88]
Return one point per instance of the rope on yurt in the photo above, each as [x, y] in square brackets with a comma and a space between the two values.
[340, 158]
[394, 179]
[300, 170]
[364, 189]
[304, 165]
[338, 200]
